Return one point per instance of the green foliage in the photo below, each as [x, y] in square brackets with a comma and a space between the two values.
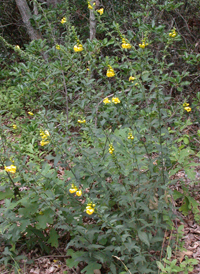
[170, 266]
[121, 154]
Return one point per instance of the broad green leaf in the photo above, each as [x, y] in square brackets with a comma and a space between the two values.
[44, 219]
[160, 266]
[143, 237]
[8, 193]
[89, 269]
[177, 194]
[53, 238]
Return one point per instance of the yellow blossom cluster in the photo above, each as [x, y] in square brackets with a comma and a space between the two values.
[14, 126]
[44, 135]
[115, 100]
[82, 121]
[106, 101]
[78, 48]
[58, 47]
[30, 113]
[143, 45]
[63, 21]
[74, 189]
[11, 169]
[173, 33]
[100, 11]
[186, 107]
[130, 136]
[91, 6]
[131, 78]
[90, 208]
[125, 44]
[17, 47]
[110, 72]
[111, 149]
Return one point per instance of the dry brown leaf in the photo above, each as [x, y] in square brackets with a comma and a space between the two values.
[181, 254]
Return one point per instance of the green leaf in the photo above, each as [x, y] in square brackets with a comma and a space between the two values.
[177, 194]
[160, 266]
[8, 193]
[169, 252]
[72, 263]
[185, 207]
[44, 219]
[186, 140]
[89, 269]
[143, 237]
[190, 172]
[53, 238]
[76, 258]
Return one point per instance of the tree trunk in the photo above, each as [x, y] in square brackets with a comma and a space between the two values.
[26, 16]
[92, 22]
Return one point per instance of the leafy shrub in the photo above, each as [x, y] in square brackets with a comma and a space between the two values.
[111, 133]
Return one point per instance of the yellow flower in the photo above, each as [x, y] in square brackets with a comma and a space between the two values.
[11, 169]
[79, 192]
[58, 47]
[106, 101]
[173, 33]
[143, 45]
[111, 149]
[131, 78]
[130, 136]
[100, 11]
[115, 100]
[44, 143]
[90, 7]
[14, 126]
[90, 208]
[47, 133]
[188, 109]
[90, 211]
[78, 48]
[110, 72]
[30, 113]
[185, 104]
[125, 44]
[17, 47]
[63, 21]
[44, 134]
[82, 121]
[72, 190]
